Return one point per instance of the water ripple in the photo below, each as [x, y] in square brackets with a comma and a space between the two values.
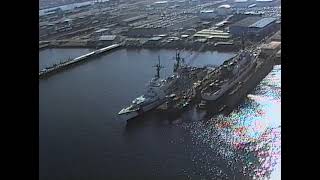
[247, 141]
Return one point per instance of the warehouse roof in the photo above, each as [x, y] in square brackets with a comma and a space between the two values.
[272, 45]
[263, 22]
[247, 21]
[134, 18]
[211, 33]
[101, 30]
[225, 6]
[107, 38]
[240, 1]
[155, 38]
[255, 22]
[161, 2]
[207, 11]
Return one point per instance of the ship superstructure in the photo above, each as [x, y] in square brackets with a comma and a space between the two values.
[228, 75]
[155, 95]
[189, 84]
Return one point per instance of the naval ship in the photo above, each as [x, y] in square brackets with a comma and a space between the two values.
[155, 95]
[230, 74]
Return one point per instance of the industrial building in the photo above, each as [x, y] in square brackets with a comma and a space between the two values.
[132, 41]
[146, 31]
[101, 32]
[128, 21]
[253, 27]
[207, 14]
[221, 10]
[224, 10]
[212, 35]
[241, 3]
[163, 26]
[107, 40]
[161, 4]
[270, 48]
[153, 41]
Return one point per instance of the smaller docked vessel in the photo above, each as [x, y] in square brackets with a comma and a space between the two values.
[229, 74]
[154, 96]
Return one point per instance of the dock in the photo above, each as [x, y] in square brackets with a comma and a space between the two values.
[278, 57]
[56, 68]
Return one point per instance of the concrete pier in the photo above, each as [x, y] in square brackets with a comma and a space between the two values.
[50, 70]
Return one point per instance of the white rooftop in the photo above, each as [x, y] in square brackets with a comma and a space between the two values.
[161, 2]
[107, 38]
[207, 11]
[101, 30]
[155, 38]
[225, 6]
[239, 1]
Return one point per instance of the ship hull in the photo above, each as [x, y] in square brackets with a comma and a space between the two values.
[249, 83]
[215, 97]
[127, 116]
[153, 105]
[143, 110]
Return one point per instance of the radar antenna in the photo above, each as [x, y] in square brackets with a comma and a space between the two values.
[178, 59]
[158, 68]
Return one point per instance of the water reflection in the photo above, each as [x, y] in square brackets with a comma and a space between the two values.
[249, 138]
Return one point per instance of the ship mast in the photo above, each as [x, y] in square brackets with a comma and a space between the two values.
[177, 64]
[158, 68]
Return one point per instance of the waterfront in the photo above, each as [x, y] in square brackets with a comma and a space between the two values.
[66, 7]
[48, 57]
[80, 136]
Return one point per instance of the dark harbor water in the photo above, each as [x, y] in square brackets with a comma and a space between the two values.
[81, 137]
